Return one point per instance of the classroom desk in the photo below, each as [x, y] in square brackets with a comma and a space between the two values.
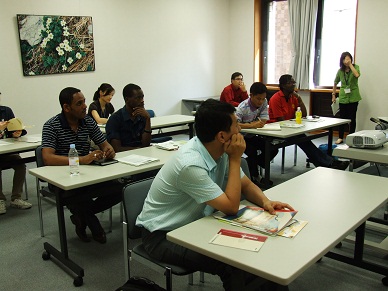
[20, 145]
[284, 137]
[377, 155]
[159, 122]
[331, 216]
[89, 174]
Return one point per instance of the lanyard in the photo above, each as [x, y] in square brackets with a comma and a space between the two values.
[346, 77]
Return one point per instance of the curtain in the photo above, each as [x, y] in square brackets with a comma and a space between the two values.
[303, 15]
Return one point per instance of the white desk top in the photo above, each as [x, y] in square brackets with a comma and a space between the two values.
[323, 123]
[91, 174]
[333, 202]
[12, 145]
[165, 121]
[378, 155]
[171, 120]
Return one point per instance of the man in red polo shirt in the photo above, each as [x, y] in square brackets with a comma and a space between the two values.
[236, 91]
[283, 105]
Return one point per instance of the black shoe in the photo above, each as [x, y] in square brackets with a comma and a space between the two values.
[100, 237]
[98, 232]
[339, 165]
[80, 227]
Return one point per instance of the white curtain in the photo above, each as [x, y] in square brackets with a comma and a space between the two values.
[303, 15]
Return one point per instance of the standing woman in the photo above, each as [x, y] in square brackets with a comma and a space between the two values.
[349, 94]
[101, 107]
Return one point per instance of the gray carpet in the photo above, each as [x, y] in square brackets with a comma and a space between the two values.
[21, 248]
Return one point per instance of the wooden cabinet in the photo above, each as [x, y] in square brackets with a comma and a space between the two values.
[320, 102]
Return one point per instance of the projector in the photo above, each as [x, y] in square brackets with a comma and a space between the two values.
[366, 139]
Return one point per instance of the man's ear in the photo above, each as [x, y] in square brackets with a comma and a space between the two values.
[221, 137]
[66, 107]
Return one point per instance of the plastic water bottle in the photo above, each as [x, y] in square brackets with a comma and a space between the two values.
[298, 116]
[73, 161]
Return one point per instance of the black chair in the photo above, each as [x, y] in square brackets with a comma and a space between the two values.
[158, 139]
[134, 195]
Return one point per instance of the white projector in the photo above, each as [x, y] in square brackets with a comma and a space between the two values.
[366, 139]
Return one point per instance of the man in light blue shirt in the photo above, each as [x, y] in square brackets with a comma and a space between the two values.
[253, 113]
[203, 175]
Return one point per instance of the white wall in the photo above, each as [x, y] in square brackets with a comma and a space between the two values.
[173, 49]
[371, 55]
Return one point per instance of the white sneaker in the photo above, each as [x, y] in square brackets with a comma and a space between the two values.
[3, 209]
[21, 204]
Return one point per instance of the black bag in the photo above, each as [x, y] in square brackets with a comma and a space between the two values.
[140, 284]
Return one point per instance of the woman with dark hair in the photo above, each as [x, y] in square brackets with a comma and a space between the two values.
[349, 94]
[101, 107]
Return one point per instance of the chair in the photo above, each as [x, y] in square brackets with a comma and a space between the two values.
[284, 154]
[134, 195]
[45, 191]
[158, 139]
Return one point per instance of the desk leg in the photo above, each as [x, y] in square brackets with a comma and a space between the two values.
[267, 162]
[191, 130]
[330, 142]
[359, 244]
[63, 255]
[357, 259]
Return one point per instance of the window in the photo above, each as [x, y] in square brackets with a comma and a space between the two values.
[335, 33]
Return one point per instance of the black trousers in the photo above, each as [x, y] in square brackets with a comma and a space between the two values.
[348, 111]
[254, 143]
[92, 199]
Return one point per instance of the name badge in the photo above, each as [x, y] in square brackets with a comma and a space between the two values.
[347, 90]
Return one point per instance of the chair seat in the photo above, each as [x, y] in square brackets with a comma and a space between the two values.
[176, 270]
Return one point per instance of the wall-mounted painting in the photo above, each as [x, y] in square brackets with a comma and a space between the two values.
[56, 44]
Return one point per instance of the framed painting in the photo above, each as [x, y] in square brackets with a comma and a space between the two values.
[55, 44]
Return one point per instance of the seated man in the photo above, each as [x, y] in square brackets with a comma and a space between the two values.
[283, 105]
[130, 127]
[204, 175]
[253, 113]
[236, 92]
[12, 161]
[73, 126]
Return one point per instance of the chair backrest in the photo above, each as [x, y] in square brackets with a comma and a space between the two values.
[134, 195]
[39, 157]
[151, 112]
[245, 168]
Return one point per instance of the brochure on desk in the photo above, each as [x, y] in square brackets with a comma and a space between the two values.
[136, 160]
[239, 240]
[259, 219]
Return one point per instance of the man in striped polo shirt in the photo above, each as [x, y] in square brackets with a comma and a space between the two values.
[74, 126]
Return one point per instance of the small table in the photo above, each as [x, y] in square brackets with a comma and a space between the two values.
[190, 105]
[331, 217]
[285, 135]
[89, 175]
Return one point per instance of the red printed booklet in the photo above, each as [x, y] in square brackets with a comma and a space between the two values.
[259, 219]
[240, 240]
